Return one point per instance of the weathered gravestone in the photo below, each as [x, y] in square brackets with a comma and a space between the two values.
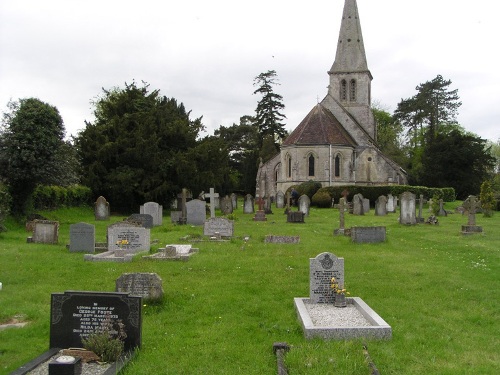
[280, 199]
[82, 238]
[234, 201]
[282, 239]
[321, 270]
[268, 205]
[342, 207]
[45, 231]
[260, 215]
[129, 237]
[357, 205]
[226, 205]
[368, 234]
[248, 205]
[471, 205]
[390, 203]
[304, 204]
[155, 210]
[442, 211]
[218, 226]
[295, 216]
[144, 220]
[149, 286]
[196, 212]
[214, 201]
[366, 205]
[381, 206]
[407, 213]
[101, 209]
[76, 315]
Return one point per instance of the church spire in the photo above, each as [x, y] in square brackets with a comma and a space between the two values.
[350, 55]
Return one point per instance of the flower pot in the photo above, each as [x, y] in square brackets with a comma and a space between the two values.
[340, 300]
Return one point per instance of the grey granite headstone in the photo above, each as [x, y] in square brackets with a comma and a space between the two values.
[138, 237]
[145, 220]
[146, 285]
[155, 210]
[101, 209]
[390, 203]
[45, 231]
[248, 205]
[280, 199]
[196, 211]
[408, 209]
[321, 270]
[357, 205]
[304, 204]
[82, 238]
[368, 234]
[218, 225]
[381, 206]
[366, 205]
[226, 205]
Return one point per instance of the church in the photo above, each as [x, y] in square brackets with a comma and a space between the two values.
[336, 142]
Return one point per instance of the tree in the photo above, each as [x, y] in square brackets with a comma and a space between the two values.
[268, 116]
[389, 135]
[487, 198]
[31, 148]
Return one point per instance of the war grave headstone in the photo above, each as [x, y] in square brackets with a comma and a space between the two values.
[471, 205]
[260, 215]
[101, 209]
[280, 199]
[77, 314]
[321, 319]
[149, 286]
[196, 212]
[155, 210]
[366, 205]
[218, 226]
[226, 205]
[407, 213]
[248, 205]
[234, 201]
[82, 238]
[381, 206]
[304, 204]
[368, 234]
[144, 220]
[173, 252]
[45, 231]
[282, 239]
[357, 205]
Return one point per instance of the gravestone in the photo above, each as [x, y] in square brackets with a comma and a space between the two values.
[146, 285]
[421, 201]
[357, 205]
[76, 315]
[248, 205]
[407, 213]
[155, 210]
[304, 204]
[381, 206]
[234, 201]
[173, 252]
[138, 238]
[471, 205]
[268, 205]
[184, 196]
[260, 215]
[101, 209]
[342, 207]
[280, 199]
[82, 238]
[196, 212]
[321, 270]
[45, 231]
[442, 211]
[282, 239]
[295, 216]
[144, 220]
[214, 202]
[368, 234]
[390, 204]
[220, 226]
[366, 205]
[226, 205]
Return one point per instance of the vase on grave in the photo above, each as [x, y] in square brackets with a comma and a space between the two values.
[340, 300]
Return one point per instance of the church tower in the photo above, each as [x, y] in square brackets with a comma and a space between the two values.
[350, 78]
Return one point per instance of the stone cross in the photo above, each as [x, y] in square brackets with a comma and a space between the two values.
[260, 202]
[471, 207]
[212, 196]
[341, 214]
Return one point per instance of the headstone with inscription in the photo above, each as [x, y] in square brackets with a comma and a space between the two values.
[144, 220]
[321, 270]
[407, 214]
[137, 238]
[280, 199]
[155, 210]
[196, 212]
[101, 209]
[368, 234]
[220, 226]
[82, 238]
[248, 204]
[304, 204]
[45, 231]
[149, 286]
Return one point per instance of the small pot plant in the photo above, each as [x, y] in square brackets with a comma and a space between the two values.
[339, 293]
[108, 342]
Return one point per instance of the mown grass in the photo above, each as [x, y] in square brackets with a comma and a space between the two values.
[226, 306]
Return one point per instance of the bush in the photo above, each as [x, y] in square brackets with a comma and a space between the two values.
[321, 199]
[52, 197]
[308, 188]
[5, 201]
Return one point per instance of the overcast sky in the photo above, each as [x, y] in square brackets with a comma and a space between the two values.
[206, 54]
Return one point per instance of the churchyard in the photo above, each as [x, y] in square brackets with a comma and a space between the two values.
[224, 307]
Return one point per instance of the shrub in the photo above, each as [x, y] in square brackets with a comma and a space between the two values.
[52, 197]
[108, 341]
[321, 199]
[5, 201]
[308, 188]
[487, 198]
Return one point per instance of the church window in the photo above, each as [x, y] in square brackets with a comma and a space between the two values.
[311, 165]
[352, 90]
[343, 90]
[289, 167]
[337, 166]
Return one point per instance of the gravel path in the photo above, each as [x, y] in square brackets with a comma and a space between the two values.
[327, 315]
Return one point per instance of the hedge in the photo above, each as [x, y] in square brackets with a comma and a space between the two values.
[5, 201]
[52, 197]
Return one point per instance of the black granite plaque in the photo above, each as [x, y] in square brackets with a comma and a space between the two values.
[75, 315]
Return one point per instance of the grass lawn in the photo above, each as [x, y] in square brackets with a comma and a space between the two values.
[226, 306]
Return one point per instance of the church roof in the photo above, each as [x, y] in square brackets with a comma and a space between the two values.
[350, 56]
[320, 127]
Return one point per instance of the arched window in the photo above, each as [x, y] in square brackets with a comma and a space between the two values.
[343, 90]
[337, 166]
[352, 90]
[289, 167]
[311, 165]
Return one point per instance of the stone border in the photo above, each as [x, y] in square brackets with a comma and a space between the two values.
[379, 330]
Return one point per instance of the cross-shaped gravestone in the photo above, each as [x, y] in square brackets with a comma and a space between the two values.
[471, 206]
[341, 214]
[212, 196]
[260, 202]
